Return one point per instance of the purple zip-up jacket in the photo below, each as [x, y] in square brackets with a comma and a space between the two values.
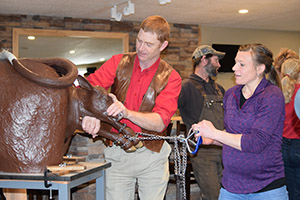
[260, 121]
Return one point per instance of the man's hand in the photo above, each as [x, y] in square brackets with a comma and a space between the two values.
[91, 125]
[116, 108]
[7, 55]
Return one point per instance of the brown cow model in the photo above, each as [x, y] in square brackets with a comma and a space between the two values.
[40, 110]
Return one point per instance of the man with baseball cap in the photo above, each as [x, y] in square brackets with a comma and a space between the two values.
[202, 98]
[205, 50]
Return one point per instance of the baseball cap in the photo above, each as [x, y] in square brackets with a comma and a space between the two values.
[206, 49]
[297, 103]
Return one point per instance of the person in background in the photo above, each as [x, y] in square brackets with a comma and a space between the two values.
[202, 98]
[275, 75]
[290, 83]
[254, 112]
[145, 91]
[297, 104]
[283, 55]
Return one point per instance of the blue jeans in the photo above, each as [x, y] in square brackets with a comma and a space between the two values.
[276, 194]
[291, 159]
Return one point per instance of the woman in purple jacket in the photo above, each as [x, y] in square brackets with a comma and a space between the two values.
[254, 113]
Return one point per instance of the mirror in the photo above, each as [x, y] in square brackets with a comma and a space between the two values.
[86, 49]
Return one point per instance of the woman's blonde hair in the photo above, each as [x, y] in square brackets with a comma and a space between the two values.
[290, 70]
[282, 56]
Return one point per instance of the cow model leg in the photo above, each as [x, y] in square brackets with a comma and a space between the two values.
[96, 101]
[118, 139]
[129, 133]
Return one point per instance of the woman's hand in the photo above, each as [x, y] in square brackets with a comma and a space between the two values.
[205, 129]
[211, 135]
[206, 141]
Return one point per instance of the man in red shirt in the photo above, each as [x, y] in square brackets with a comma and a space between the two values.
[145, 91]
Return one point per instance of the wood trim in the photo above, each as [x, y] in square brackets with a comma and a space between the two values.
[63, 33]
[199, 35]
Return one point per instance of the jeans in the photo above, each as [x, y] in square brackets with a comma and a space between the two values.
[275, 194]
[291, 159]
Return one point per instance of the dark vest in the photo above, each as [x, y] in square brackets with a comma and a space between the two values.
[158, 83]
[213, 111]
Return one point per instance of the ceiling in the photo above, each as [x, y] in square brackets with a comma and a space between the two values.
[281, 15]
[263, 14]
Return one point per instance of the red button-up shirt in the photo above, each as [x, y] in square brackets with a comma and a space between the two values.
[166, 101]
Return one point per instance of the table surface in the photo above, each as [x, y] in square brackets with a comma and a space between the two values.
[176, 118]
[91, 167]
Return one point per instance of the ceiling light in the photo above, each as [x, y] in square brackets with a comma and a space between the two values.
[243, 11]
[102, 59]
[127, 10]
[31, 37]
[163, 2]
[72, 52]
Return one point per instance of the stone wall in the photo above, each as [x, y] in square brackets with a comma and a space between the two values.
[183, 40]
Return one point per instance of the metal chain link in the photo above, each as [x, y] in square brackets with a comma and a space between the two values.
[180, 160]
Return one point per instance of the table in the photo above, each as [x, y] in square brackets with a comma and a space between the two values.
[63, 183]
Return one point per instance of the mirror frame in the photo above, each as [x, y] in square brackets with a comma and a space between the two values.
[66, 33]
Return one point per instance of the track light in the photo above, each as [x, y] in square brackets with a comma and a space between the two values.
[115, 14]
[128, 10]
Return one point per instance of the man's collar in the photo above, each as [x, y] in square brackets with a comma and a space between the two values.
[198, 78]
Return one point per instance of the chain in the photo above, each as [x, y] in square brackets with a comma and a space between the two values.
[184, 165]
[180, 160]
[148, 136]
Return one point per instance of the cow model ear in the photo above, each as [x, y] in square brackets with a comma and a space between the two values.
[84, 83]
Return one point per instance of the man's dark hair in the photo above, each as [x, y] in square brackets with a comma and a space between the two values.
[196, 61]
